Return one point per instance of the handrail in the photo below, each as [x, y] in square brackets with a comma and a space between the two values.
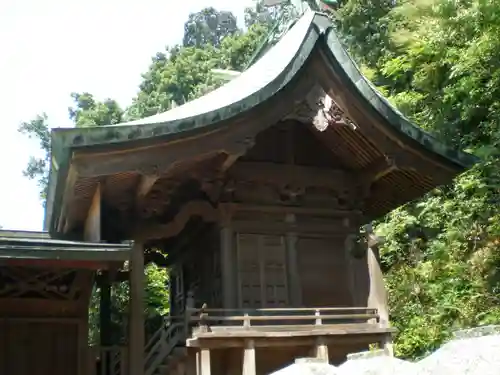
[167, 321]
[291, 309]
[284, 317]
[246, 316]
[169, 337]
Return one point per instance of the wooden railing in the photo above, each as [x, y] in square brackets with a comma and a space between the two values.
[108, 360]
[283, 316]
[176, 329]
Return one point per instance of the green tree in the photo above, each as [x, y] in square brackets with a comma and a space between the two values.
[209, 27]
[85, 112]
[441, 255]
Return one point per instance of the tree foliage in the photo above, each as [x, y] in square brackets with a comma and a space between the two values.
[437, 61]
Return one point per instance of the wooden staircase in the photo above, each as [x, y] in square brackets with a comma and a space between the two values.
[165, 347]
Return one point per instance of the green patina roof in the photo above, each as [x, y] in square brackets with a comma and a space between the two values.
[257, 84]
[39, 245]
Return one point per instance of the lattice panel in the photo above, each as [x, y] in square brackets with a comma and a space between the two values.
[22, 282]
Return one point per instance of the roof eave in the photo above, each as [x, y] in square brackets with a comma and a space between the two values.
[392, 116]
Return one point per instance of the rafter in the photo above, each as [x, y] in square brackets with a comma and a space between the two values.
[377, 170]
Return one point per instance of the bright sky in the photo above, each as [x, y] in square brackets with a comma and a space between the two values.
[50, 48]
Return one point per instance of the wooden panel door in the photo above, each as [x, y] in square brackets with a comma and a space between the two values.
[262, 280]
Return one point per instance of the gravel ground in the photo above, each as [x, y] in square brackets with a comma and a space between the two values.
[468, 354]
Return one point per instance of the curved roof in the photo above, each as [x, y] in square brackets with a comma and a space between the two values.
[277, 70]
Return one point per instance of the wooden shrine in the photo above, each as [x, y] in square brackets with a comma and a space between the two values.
[258, 192]
[45, 287]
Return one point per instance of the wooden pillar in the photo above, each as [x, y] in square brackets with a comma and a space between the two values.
[377, 297]
[204, 361]
[227, 267]
[136, 315]
[192, 362]
[249, 366]
[321, 349]
[292, 266]
[105, 310]
[105, 318]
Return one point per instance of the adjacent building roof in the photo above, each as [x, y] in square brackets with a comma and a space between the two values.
[33, 246]
[285, 71]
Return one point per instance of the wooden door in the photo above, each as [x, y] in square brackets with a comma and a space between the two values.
[262, 280]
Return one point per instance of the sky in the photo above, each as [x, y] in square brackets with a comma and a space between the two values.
[51, 48]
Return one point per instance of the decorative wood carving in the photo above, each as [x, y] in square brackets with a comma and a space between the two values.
[321, 110]
[21, 282]
[201, 209]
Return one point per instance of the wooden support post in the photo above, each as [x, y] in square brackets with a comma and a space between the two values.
[227, 268]
[136, 315]
[181, 368]
[388, 346]
[294, 289]
[321, 349]
[105, 318]
[205, 361]
[377, 297]
[192, 365]
[249, 366]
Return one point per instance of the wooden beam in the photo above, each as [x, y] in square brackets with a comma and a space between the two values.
[191, 209]
[29, 307]
[92, 226]
[63, 224]
[292, 175]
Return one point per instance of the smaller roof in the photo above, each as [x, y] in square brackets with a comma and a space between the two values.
[26, 245]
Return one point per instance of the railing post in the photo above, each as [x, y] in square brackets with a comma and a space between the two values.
[203, 319]
[246, 321]
[318, 321]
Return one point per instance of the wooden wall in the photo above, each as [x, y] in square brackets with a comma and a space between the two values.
[323, 272]
[38, 347]
[264, 269]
